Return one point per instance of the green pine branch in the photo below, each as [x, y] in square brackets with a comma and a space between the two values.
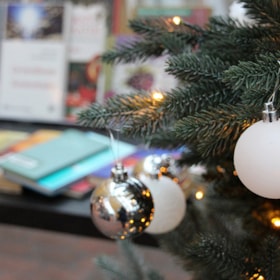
[139, 115]
[258, 74]
[222, 258]
[131, 265]
[173, 38]
[263, 12]
[186, 100]
[156, 37]
[151, 28]
[193, 67]
[133, 116]
[218, 42]
[268, 260]
[110, 268]
[215, 131]
[133, 51]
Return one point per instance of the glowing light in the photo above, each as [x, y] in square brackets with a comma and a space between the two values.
[177, 20]
[163, 169]
[146, 193]
[132, 229]
[257, 276]
[275, 222]
[220, 169]
[131, 221]
[143, 220]
[199, 195]
[157, 96]
[29, 18]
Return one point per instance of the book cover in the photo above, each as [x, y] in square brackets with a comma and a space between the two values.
[14, 141]
[33, 62]
[79, 189]
[87, 41]
[9, 187]
[36, 137]
[45, 158]
[60, 180]
[8, 138]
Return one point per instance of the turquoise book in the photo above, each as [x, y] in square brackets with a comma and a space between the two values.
[60, 180]
[45, 158]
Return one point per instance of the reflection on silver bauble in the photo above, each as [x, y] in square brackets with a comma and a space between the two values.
[154, 166]
[121, 207]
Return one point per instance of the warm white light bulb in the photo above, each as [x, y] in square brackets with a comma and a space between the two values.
[177, 20]
[256, 158]
[169, 203]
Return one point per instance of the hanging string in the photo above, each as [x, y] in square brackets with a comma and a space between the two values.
[115, 146]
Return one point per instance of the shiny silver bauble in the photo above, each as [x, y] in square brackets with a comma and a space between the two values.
[121, 207]
[155, 166]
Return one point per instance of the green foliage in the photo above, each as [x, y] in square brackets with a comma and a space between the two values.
[134, 51]
[192, 68]
[263, 12]
[223, 63]
[226, 71]
[157, 38]
[131, 265]
[215, 131]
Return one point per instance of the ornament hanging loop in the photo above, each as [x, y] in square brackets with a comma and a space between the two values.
[119, 173]
[269, 112]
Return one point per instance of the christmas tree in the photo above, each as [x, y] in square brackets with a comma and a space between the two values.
[226, 71]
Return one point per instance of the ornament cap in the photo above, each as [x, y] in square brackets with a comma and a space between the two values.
[119, 173]
[269, 113]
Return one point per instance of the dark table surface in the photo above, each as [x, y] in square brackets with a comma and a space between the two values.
[59, 213]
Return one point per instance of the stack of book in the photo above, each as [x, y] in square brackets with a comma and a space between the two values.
[54, 162]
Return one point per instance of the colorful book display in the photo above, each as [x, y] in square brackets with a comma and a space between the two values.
[55, 165]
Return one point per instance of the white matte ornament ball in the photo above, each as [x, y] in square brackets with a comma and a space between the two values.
[257, 159]
[169, 204]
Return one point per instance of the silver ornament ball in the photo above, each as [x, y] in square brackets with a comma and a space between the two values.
[154, 166]
[121, 207]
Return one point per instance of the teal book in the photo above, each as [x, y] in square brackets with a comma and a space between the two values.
[60, 180]
[45, 158]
